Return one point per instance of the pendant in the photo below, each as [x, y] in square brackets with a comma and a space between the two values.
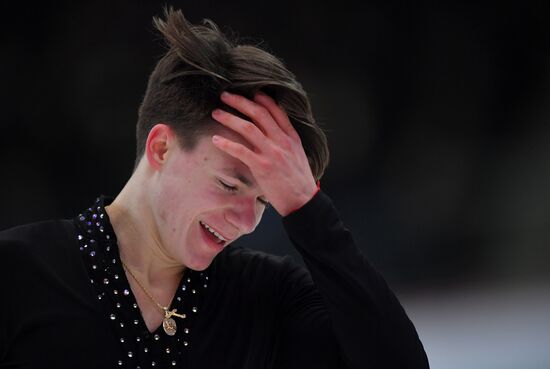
[168, 323]
[169, 326]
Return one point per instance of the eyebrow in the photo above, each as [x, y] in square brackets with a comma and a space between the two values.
[243, 179]
[239, 176]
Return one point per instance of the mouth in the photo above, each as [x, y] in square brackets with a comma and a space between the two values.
[213, 234]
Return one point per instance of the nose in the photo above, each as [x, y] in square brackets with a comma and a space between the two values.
[244, 214]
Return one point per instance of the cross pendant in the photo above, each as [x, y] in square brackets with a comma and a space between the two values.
[169, 313]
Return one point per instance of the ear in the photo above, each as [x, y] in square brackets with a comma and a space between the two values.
[160, 141]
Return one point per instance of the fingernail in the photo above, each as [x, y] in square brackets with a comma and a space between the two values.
[215, 138]
[260, 95]
[226, 94]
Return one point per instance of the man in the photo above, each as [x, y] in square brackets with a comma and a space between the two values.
[149, 279]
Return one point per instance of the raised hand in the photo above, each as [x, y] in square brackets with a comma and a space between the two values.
[277, 159]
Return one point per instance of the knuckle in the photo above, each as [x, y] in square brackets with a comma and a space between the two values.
[295, 136]
[239, 149]
[265, 164]
[248, 128]
[279, 155]
[286, 143]
[265, 114]
[260, 113]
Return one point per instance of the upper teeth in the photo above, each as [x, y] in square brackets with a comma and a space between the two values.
[212, 231]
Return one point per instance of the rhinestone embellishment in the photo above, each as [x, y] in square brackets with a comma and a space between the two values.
[137, 348]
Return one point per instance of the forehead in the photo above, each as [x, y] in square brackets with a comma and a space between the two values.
[208, 153]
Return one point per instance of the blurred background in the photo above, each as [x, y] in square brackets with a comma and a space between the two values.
[438, 117]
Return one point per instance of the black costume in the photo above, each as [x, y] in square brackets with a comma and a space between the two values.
[66, 303]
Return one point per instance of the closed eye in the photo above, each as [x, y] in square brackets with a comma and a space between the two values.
[230, 188]
[227, 187]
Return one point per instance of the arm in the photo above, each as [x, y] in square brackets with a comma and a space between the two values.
[347, 296]
[369, 323]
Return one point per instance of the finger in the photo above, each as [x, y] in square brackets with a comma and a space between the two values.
[277, 113]
[259, 114]
[245, 128]
[237, 150]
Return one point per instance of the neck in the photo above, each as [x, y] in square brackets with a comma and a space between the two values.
[138, 239]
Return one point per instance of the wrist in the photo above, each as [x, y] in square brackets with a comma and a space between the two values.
[305, 199]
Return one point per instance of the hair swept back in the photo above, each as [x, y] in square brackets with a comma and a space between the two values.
[201, 62]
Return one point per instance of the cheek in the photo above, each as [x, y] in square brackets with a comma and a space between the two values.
[166, 207]
[171, 212]
[172, 192]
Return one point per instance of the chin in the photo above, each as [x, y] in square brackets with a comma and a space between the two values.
[199, 263]
[199, 266]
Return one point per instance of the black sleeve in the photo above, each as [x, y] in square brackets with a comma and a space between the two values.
[365, 322]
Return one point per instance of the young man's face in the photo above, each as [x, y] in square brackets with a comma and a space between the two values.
[200, 192]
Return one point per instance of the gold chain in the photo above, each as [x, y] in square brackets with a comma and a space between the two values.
[163, 308]
[168, 323]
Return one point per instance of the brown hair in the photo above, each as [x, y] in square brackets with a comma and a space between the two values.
[201, 62]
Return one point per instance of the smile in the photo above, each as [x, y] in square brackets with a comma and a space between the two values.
[211, 230]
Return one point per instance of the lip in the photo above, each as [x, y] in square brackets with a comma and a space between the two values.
[208, 239]
[227, 239]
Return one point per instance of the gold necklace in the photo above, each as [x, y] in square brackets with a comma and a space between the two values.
[168, 323]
